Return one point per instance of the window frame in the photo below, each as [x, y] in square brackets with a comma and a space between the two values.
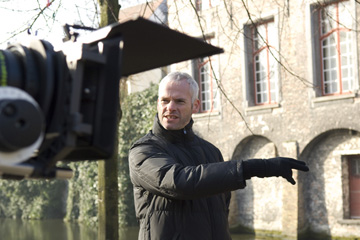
[197, 65]
[326, 36]
[250, 103]
[316, 53]
[269, 57]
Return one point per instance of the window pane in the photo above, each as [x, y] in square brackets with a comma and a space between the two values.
[330, 65]
[325, 64]
[265, 96]
[333, 77]
[346, 60]
[264, 86]
[335, 87]
[259, 100]
[326, 88]
[326, 76]
[258, 87]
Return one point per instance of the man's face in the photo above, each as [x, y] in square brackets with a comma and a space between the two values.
[174, 105]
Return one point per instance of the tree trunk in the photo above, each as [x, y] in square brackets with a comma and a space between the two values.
[108, 169]
[109, 12]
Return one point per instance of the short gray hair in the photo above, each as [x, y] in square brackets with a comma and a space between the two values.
[178, 76]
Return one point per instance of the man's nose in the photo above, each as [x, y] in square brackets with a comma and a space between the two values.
[171, 105]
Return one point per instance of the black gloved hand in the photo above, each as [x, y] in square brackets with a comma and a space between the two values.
[279, 166]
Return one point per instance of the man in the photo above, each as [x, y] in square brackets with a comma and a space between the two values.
[181, 183]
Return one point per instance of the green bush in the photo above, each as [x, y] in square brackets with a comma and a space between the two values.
[33, 199]
[82, 201]
[138, 114]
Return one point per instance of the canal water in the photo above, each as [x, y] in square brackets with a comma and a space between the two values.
[17, 229]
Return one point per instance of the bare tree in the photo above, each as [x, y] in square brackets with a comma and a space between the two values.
[45, 19]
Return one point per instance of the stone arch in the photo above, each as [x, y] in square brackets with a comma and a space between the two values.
[258, 206]
[321, 190]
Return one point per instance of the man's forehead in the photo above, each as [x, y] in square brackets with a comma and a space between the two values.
[174, 94]
[182, 85]
[175, 89]
[181, 82]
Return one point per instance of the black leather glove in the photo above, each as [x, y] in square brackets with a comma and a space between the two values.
[273, 167]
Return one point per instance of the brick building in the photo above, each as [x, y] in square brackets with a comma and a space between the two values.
[287, 85]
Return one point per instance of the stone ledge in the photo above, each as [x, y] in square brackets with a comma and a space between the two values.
[205, 115]
[326, 100]
[349, 221]
[261, 109]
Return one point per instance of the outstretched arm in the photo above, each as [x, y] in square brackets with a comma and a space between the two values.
[161, 174]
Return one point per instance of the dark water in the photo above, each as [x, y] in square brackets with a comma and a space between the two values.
[16, 229]
[13, 229]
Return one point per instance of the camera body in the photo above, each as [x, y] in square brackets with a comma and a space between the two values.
[64, 105]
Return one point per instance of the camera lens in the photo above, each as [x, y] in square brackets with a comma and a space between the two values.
[19, 69]
[31, 68]
[21, 124]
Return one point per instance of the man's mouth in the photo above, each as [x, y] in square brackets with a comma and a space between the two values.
[171, 116]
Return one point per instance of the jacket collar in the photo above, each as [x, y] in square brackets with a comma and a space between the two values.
[173, 136]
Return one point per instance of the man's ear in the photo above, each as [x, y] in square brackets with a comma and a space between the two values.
[157, 104]
[196, 106]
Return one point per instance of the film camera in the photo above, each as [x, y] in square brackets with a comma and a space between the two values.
[63, 105]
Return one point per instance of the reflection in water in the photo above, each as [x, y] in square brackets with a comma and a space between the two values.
[54, 229]
[57, 229]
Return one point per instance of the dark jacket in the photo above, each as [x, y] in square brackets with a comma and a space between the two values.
[181, 186]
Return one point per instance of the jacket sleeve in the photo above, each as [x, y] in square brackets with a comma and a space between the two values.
[159, 173]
